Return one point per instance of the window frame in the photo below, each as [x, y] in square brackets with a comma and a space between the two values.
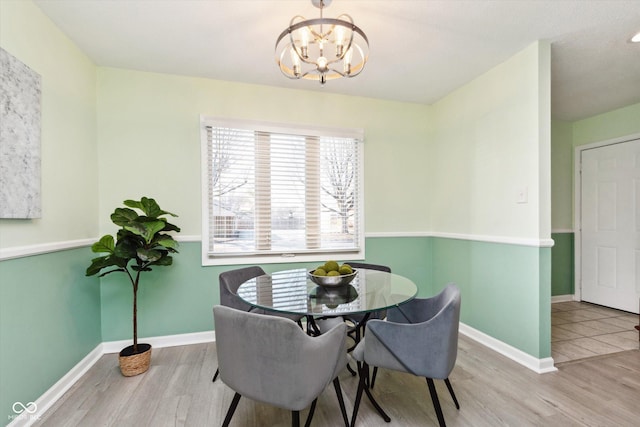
[272, 127]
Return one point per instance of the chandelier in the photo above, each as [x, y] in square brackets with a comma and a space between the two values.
[323, 48]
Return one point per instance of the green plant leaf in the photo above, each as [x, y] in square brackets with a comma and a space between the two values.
[98, 264]
[123, 216]
[146, 230]
[171, 227]
[149, 255]
[167, 242]
[133, 204]
[127, 246]
[105, 244]
[164, 261]
[149, 206]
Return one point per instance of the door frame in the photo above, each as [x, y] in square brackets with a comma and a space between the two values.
[577, 206]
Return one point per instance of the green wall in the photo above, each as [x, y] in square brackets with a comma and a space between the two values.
[565, 137]
[49, 321]
[561, 175]
[613, 124]
[562, 264]
[505, 290]
[49, 312]
[491, 137]
[179, 299]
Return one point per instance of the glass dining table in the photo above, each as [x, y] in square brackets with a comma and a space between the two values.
[293, 292]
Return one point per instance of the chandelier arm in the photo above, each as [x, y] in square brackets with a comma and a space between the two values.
[317, 21]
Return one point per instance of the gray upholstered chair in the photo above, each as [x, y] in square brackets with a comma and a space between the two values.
[271, 360]
[230, 281]
[420, 338]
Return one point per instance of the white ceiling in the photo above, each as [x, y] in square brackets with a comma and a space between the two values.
[419, 50]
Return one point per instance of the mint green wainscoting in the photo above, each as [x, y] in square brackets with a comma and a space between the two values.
[505, 289]
[171, 300]
[562, 264]
[49, 321]
[407, 256]
[179, 299]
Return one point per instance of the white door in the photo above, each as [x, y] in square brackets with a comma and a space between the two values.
[610, 198]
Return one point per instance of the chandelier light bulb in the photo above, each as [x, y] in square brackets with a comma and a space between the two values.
[295, 60]
[322, 63]
[339, 41]
[304, 42]
[347, 61]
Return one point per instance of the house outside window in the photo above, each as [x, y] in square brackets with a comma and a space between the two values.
[280, 193]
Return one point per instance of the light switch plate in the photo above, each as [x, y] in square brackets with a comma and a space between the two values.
[523, 195]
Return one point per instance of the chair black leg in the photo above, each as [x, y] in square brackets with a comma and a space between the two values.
[295, 418]
[232, 409]
[343, 410]
[453, 395]
[350, 369]
[356, 404]
[436, 402]
[215, 376]
[373, 376]
[364, 375]
[312, 410]
[312, 328]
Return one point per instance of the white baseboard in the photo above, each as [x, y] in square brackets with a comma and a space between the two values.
[163, 341]
[562, 298]
[540, 366]
[51, 396]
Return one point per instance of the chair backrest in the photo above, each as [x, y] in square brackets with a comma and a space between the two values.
[231, 280]
[270, 359]
[381, 314]
[422, 335]
[370, 266]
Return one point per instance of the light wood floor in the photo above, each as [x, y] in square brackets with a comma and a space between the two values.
[492, 390]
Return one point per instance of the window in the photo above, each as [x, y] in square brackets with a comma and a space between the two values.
[272, 192]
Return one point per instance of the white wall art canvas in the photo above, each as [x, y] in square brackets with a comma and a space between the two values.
[20, 122]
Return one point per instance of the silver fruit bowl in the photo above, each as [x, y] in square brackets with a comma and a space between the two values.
[332, 281]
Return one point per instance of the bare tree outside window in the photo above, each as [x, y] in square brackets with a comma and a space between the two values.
[339, 170]
[222, 160]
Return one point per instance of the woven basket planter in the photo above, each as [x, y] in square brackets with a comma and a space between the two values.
[135, 364]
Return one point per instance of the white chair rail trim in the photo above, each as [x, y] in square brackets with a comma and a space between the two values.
[519, 241]
[45, 248]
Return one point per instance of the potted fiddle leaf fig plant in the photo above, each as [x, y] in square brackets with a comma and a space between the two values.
[141, 243]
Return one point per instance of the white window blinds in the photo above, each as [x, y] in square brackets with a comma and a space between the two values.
[277, 191]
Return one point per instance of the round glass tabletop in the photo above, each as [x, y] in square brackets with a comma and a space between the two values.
[292, 292]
